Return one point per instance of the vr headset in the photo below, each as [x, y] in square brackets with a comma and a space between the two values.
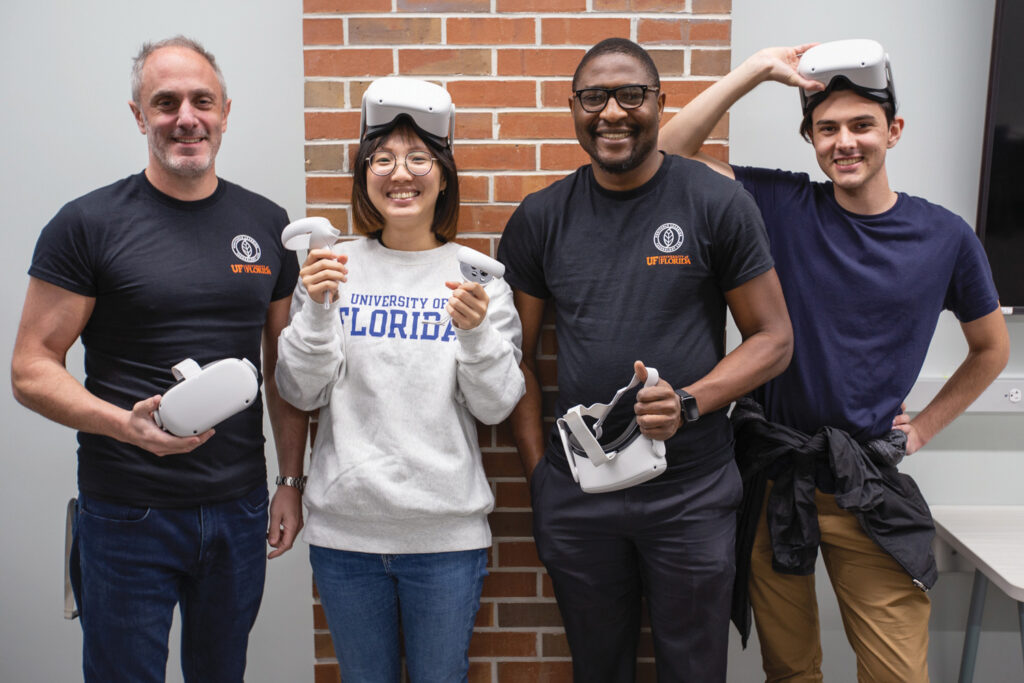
[429, 107]
[205, 396]
[860, 65]
[628, 460]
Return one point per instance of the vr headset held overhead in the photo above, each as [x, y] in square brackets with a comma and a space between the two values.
[429, 106]
[860, 65]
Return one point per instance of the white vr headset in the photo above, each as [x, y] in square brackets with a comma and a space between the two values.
[861, 64]
[205, 396]
[428, 105]
[629, 460]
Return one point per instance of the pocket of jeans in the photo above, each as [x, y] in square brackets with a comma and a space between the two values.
[108, 511]
[256, 500]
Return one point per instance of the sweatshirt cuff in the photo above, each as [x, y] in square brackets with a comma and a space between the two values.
[477, 341]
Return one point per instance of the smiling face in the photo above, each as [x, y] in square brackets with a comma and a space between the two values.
[183, 113]
[622, 143]
[851, 137]
[405, 201]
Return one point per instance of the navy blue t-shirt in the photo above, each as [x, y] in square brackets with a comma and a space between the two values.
[638, 275]
[171, 280]
[864, 294]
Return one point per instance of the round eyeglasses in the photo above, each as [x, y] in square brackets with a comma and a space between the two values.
[384, 163]
[631, 96]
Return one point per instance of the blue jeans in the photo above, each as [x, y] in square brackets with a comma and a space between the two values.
[132, 565]
[435, 596]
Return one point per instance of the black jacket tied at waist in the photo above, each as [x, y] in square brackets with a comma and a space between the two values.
[887, 503]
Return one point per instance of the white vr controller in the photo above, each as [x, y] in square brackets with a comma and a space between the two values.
[205, 396]
[310, 233]
[629, 460]
[475, 267]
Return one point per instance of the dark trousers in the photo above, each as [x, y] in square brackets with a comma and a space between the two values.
[671, 540]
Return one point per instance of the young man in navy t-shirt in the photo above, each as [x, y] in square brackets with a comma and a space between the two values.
[866, 272]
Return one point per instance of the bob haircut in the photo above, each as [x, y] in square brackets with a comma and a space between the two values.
[367, 220]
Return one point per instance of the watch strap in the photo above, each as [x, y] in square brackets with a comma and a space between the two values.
[295, 482]
[688, 410]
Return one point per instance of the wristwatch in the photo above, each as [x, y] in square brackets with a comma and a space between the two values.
[297, 482]
[688, 409]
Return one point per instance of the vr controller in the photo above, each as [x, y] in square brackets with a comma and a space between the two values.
[475, 267]
[205, 396]
[310, 233]
[629, 460]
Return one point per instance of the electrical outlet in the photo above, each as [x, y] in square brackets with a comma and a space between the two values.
[1014, 395]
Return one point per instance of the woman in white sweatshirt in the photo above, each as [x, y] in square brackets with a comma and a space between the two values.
[397, 498]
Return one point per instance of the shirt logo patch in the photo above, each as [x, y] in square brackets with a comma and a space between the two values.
[668, 238]
[246, 248]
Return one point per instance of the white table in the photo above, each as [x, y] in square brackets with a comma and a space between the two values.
[991, 537]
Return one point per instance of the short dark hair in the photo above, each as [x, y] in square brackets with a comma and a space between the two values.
[367, 220]
[807, 123]
[620, 46]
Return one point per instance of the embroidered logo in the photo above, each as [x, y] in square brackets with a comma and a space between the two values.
[668, 238]
[246, 248]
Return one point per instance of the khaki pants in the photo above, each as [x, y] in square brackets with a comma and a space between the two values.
[885, 616]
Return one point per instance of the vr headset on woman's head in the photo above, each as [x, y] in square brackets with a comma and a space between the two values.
[427, 105]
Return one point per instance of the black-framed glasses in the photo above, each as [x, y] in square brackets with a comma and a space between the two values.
[630, 96]
[384, 163]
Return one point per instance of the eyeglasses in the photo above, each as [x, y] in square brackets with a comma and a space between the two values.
[594, 100]
[384, 163]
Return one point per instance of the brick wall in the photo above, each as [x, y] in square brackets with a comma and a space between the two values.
[508, 66]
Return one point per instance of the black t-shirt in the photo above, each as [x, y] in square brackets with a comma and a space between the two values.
[639, 275]
[171, 280]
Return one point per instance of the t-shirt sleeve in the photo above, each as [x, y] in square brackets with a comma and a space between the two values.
[521, 250]
[288, 273]
[971, 293]
[63, 256]
[741, 245]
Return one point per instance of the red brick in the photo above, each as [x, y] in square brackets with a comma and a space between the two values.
[562, 157]
[345, 6]
[554, 645]
[528, 614]
[710, 62]
[393, 30]
[548, 342]
[323, 648]
[510, 585]
[541, 5]
[518, 554]
[353, 62]
[711, 6]
[319, 618]
[474, 126]
[331, 125]
[720, 152]
[492, 93]
[325, 94]
[576, 31]
[480, 672]
[538, 62]
[325, 158]
[508, 523]
[535, 672]
[323, 31]
[503, 644]
[505, 464]
[491, 31]
[495, 157]
[556, 94]
[669, 62]
[637, 5]
[683, 31]
[512, 494]
[327, 672]
[547, 372]
[546, 588]
[503, 432]
[474, 188]
[486, 616]
[442, 6]
[679, 93]
[483, 217]
[532, 125]
[321, 189]
[441, 61]
[337, 217]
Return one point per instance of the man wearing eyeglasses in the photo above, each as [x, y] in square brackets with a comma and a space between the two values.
[641, 254]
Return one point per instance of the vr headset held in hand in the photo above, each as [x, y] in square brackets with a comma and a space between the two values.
[628, 460]
[206, 396]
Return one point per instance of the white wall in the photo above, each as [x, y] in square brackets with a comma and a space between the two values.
[940, 56]
[67, 130]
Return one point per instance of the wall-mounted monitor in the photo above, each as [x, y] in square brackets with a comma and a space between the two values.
[1001, 197]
